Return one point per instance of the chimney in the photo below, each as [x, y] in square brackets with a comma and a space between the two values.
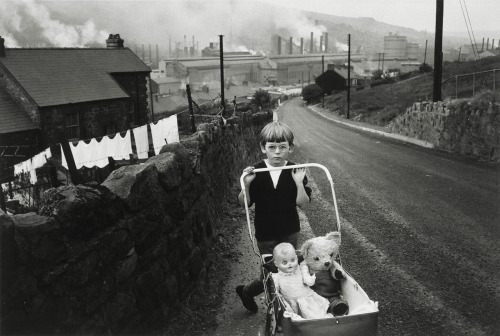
[2, 47]
[211, 45]
[291, 45]
[279, 45]
[114, 41]
[312, 43]
[487, 43]
[321, 43]
[301, 45]
[326, 41]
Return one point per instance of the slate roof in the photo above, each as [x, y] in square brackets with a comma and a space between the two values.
[57, 76]
[13, 117]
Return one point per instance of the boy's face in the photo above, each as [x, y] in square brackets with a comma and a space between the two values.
[277, 152]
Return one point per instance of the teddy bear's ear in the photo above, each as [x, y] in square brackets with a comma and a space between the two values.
[335, 236]
[305, 247]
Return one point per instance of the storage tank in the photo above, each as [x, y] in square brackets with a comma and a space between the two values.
[412, 51]
[395, 46]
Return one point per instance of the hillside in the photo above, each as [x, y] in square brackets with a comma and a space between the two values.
[379, 105]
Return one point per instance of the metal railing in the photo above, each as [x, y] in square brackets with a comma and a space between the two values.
[471, 84]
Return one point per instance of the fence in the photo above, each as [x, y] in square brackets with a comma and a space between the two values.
[469, 85]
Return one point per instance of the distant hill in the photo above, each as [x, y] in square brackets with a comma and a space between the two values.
[379, 105]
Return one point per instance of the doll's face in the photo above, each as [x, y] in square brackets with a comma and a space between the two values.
[286, 260]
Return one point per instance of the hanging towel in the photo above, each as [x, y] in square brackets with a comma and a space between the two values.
[165, 130]
[33, 178]
[41, 158]
[118, 148]
[141, 141]
[172, 130]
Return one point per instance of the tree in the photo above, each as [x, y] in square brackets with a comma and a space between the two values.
[261, 98]
[311, 92]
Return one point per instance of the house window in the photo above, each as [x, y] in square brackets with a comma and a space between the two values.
[72, 125]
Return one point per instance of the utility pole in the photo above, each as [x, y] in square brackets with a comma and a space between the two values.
[322, 72]
[425, 53]
[348, 73]
[438, 51]
[191, 112]
[221, 49]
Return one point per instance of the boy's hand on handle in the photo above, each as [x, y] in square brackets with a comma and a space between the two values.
[250, 176]
[298, 175]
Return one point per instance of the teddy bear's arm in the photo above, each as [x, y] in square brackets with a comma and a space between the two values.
[337, 271]
[307, 278]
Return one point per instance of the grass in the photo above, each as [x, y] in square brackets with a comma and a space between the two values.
[379, 105]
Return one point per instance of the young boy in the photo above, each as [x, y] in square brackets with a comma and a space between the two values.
[276, 195]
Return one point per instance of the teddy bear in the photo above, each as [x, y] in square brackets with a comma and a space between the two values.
[293, 284]
[319, 257]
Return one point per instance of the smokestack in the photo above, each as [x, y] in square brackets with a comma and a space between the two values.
[291, 45]
[279, 45]
[493, 44]
[321, 43]
[143, 57]
[301, 45]
[2, 47]
[326, 41]
[114, 41]
[312, 43]
[169, 46]
[157, 55]
[150, 58]
[488, 43]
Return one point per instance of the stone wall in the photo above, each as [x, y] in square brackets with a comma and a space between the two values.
[456, 127]
[114, 258]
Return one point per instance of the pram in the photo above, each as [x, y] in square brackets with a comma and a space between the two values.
[362, 318]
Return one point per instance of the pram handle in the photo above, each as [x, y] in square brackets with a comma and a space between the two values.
[304, 165]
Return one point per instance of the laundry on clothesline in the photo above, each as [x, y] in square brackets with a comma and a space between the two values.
[96, 153]
[164, 130]
[33, 163]
[141, 141]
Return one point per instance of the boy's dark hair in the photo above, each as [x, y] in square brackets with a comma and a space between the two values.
[276, 132]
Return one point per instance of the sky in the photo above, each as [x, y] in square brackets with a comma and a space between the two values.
[77, 23]
[416, 14]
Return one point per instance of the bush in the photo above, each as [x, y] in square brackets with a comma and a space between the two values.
[311, 92]
[261, 98]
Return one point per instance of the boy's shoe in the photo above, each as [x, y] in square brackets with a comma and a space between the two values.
[248, 302]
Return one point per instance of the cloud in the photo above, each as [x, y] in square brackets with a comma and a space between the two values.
[28, 23]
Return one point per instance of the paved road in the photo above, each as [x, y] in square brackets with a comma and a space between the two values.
[420, 228]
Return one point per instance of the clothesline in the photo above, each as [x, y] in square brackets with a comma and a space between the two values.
[96, 153]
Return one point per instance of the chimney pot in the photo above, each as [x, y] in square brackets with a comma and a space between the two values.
[2, 47]
[114, 41]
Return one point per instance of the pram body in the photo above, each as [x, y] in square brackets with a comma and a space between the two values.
[362, 319]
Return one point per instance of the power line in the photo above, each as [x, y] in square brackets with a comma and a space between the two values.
[468, 31]
[470, 23]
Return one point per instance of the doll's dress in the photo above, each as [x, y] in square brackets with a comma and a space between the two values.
[301, 299]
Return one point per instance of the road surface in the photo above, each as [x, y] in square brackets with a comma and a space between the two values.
[420, 229]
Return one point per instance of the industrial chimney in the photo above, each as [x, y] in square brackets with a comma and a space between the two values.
[114, 41]
[291, 45]
[321, 43]
[326, 41]
[312, 43]
[279, 45]
[301, 45]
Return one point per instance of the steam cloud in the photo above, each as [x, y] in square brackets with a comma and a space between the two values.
[245, 24]
[28, 23]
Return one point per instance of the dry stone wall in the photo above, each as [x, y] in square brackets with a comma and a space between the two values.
[114, 258]
[456, 127]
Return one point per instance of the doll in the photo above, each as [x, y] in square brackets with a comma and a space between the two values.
[292, 283]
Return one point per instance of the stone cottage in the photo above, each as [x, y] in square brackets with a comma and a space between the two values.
[74, 93]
